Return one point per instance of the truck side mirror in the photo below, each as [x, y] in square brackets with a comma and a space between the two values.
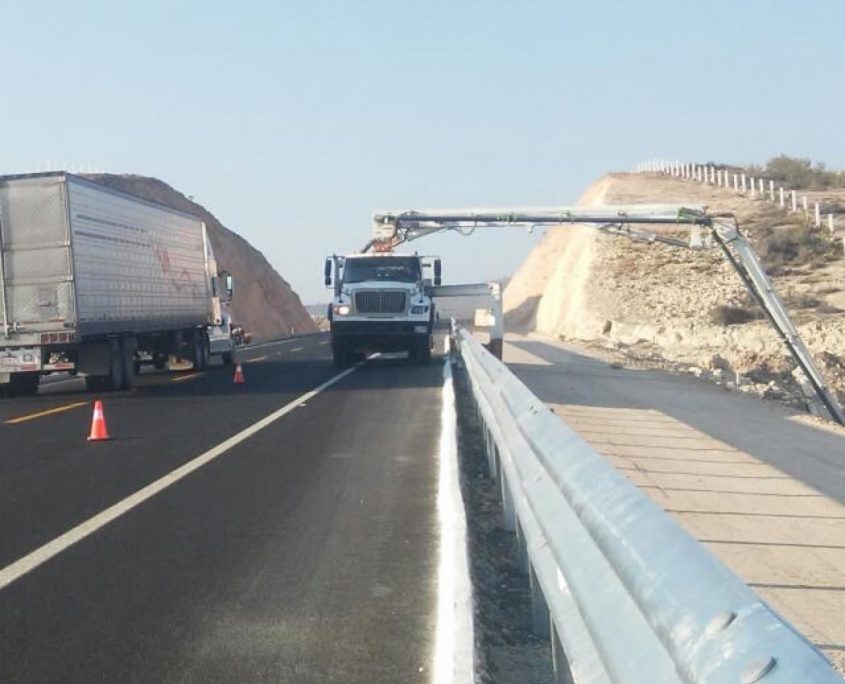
[327, 273]
[230, 285]
[438, 270]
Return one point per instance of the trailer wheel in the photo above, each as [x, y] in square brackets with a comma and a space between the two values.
[23, 384]
[127, 359]
[114, 380]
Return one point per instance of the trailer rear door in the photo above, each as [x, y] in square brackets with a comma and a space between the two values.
[35, 268]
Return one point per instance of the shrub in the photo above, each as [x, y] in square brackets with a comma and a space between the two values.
[802, 173]
[733, 315]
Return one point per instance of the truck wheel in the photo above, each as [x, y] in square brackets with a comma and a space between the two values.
[127, 358]
[340, 354]
[23, 384]
[420, 353]
[159, 361]
[201, 350]
[114, 380]
[228, 358]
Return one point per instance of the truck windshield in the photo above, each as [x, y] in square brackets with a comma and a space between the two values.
[401, 269]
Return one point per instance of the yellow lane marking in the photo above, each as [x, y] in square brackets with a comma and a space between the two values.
[48, 412]
[258, 358]
[189, 376]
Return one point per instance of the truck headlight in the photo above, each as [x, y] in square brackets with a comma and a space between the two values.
[341, 309]
[419, 309]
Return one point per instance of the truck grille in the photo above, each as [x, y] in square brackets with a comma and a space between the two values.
[377, 301]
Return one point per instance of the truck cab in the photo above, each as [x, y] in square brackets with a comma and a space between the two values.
[381, 303]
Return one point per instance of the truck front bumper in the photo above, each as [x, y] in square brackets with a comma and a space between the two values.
[378, 335]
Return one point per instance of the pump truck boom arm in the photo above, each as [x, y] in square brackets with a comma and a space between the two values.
[392, 228]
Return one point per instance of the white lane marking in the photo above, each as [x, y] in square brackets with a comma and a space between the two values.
[454, 650]
[296, 349]
[32, 560]
[288, 340]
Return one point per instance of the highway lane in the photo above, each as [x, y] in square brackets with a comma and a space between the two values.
[304, 553]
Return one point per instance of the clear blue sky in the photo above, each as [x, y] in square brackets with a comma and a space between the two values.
[292, 121]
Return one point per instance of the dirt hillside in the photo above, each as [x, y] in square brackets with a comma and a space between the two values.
[684, 309]
[264, 302]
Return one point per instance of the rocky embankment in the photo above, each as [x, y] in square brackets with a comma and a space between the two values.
[665, 306]
[264, 303]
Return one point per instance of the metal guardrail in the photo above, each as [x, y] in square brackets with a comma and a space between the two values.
[625, 594]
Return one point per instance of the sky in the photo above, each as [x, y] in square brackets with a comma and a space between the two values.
[293, 121]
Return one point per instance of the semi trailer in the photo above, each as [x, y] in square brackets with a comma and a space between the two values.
[100, 282]
[381, 303]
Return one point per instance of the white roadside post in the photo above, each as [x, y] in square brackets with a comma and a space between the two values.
[736, 183]
[743, 184]
[830, 223]
[804, 203]
[762, 188]
[782, 204]
[753, 186]
[794, 202]
[818, 217]
[497, 327]
[719, 177]
[771, 191]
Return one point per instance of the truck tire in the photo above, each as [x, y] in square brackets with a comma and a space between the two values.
[23, 384]
[114, 380]
[201, 350]
[420, 352]
[228, 358]
[340, 353]
[127, 358]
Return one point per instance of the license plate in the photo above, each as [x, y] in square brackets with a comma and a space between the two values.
[420, 329]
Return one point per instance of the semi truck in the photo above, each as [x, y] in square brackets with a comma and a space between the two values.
[101, 282]
[381, 303]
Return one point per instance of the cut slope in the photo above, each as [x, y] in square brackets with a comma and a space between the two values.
[667, 303]
[264, 302]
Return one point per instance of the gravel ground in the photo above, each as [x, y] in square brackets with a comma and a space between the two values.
[508, 651]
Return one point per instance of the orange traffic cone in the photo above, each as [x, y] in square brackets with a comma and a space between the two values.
[99, 432]
[239, 375]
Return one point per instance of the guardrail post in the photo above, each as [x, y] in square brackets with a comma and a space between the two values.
[522, 561]
[508, 510]
[559, 661]
[540, 618]
[492, 455]
[497, 330]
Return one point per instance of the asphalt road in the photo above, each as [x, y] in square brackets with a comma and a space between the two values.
[306, 552]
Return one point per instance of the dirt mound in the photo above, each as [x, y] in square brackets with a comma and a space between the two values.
[264, 302]
[687, 308]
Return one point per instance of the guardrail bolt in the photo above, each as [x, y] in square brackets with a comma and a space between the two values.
[758, 669]
[719, 622]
